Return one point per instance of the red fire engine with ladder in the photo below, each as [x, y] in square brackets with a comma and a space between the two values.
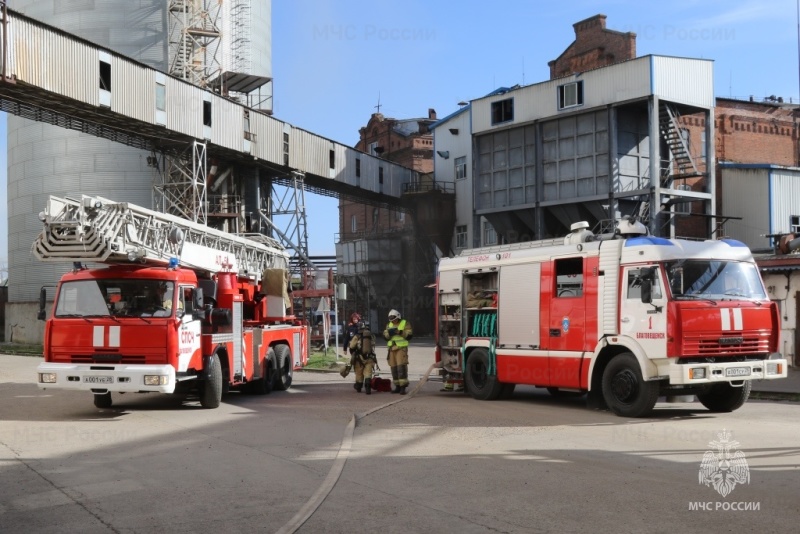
[174, 307]
[625, 317]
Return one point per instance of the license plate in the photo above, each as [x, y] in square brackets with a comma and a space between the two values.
[737, 371]
[98, 379]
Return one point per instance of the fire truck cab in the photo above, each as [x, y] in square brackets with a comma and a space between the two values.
[625, 317]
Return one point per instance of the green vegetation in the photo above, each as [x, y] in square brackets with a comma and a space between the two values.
[21, 349]
[322, 360]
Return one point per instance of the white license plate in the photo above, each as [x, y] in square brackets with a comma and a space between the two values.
[98, 379]
[737, 371]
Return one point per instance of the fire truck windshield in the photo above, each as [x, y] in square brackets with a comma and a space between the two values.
[714, 279]
[115, 298]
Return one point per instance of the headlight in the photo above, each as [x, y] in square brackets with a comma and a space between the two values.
[156, 380]
[774, 368]
[696, 373]
[47, 378]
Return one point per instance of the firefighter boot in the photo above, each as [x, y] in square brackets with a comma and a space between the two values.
[368, 386]
[395, 379]
[357, 387]
[402, 373]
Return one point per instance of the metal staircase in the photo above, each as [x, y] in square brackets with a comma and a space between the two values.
[681, 164]
[95, 229]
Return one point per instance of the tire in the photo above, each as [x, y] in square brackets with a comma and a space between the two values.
[269, 372]
[285, 367]
[103, 400]
[211, 390]
[479, 384]
[561, 394]
[721, 398]
[624, 390]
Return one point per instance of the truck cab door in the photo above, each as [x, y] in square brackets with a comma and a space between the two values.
[645, 322]
[189, 329]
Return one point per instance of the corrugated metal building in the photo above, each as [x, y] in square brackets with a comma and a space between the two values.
[594, 145]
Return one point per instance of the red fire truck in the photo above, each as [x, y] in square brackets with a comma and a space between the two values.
[173, 306]
[625, 317]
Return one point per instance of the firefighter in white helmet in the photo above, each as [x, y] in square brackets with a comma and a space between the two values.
[397, 334]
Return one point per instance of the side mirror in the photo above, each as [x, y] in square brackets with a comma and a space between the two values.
[42, 315]
[197, 304]
[647, 275]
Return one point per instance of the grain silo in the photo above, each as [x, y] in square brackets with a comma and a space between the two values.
[235, 37]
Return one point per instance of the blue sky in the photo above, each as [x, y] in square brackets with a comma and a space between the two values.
[332, 60]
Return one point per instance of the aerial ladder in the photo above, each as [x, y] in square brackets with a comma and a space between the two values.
[93, 229]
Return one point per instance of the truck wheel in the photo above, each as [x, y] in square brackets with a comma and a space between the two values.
[479, 384]
[269, 373]
[103, 400]
[285, 367]
[724, 397]
[624, 390]
[211, 390]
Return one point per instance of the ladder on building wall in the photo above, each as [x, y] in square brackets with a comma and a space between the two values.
[670, 130]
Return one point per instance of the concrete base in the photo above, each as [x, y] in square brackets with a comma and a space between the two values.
[22, 326]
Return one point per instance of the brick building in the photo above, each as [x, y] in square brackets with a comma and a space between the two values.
[387, 254]
[594, 46]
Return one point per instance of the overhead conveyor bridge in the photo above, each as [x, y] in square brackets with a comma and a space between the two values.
[51, 76]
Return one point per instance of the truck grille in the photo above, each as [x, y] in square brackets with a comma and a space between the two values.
[111, 359]
[707, 345]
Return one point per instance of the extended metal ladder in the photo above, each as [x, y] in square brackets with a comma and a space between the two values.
[95, 229]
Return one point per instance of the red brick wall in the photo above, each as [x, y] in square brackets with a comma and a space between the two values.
[414, 151]
[756, 132]
[594, 46]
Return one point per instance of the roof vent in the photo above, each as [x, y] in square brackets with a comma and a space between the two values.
[579, 233]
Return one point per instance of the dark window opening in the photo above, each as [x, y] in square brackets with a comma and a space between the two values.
[332, 158]
[105, 76]
[569, 277]
[206, 113]
[358, 168]
[503, 111]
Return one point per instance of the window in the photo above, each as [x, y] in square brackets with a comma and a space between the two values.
[206, 113]
[569, 277]
[635, 285]
[380, 179]
[461, 236]
[570, 95]
[503, 111]
[375, 217]
[371, 148]
[161, 97]
[250, 136]
[399, 216]
[332, 158]
[285, 148]
[358, 167]
[105, 75]
[461, 167]
[794, 224]
[489, 234]
[353, 223]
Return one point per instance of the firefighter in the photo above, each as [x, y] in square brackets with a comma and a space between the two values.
[397, 334]
[350, 332]
[362, 347]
